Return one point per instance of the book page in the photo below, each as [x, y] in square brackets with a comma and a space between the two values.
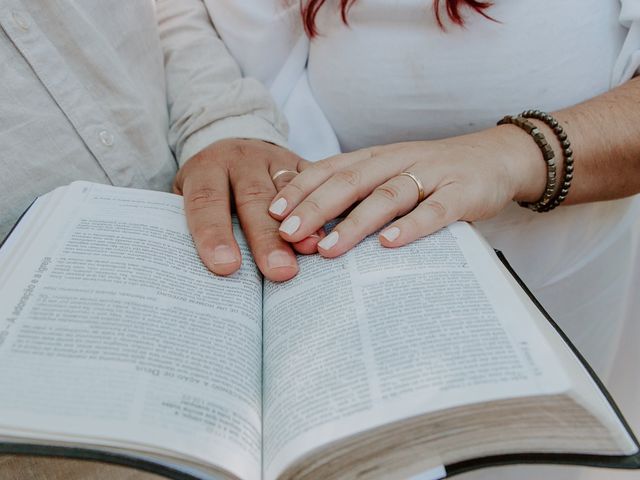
[379, 334]
[114, 332]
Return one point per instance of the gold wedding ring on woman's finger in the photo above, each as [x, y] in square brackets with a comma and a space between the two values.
[279, 173]
[416, 180]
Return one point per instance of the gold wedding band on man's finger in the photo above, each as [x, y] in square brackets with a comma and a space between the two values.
[280, 180]
[282, 177]
[280, 173]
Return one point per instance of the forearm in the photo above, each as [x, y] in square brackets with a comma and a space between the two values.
[208, 99]
[605, 135]
[605, 138]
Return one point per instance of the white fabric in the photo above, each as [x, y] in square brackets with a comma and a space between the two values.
[105, 90]
[268, 41]
[392, 75]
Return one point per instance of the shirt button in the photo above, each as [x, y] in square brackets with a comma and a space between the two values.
[106, 137]
[20, 20]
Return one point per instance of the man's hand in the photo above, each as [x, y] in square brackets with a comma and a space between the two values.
[242, 170]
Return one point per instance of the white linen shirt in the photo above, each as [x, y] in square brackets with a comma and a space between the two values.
[109, 91]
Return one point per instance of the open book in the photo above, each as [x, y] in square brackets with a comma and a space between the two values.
[117, 344]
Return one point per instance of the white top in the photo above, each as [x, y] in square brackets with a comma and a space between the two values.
[393, 75]
[111, 91]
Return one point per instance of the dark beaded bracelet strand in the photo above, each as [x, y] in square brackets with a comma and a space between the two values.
[549, 157]
[567, 154]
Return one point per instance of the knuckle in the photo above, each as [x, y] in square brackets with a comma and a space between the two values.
[349, 176]
[312, 205]
[353, 222]
[293, 186]
[328, 165]
[210, 233]
[245, 155]
[204, 198]
[252, 193]
[440, 210]
[207, 158]
[262, 237]
[238, 150]
[252, 201]
[256, 188]
[413, 224]
[388, 192]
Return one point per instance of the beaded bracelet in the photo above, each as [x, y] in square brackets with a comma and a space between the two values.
[567, 154]
[549, 158]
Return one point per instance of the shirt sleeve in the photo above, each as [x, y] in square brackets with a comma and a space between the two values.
[628, 63]
[207, 96]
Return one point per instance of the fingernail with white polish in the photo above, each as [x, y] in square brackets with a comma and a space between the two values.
[278, 206]
[329, 241]
[223, 255]
[290, 225]
[391, 233]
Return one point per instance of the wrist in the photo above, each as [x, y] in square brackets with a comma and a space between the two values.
[524, 162]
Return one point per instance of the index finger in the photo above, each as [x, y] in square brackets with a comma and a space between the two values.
[280, 179]
[311, 177]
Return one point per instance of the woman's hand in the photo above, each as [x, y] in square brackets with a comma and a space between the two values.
[471, 177]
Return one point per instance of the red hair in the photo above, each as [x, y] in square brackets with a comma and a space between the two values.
[310, 11]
